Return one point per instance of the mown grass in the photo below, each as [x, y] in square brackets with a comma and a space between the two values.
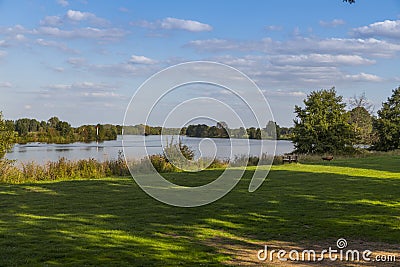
[112, 222]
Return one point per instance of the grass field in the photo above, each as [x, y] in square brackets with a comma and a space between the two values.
[112, 222]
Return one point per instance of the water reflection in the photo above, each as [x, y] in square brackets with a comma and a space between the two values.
[107, 150]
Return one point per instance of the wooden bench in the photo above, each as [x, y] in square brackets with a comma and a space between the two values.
[289, 158]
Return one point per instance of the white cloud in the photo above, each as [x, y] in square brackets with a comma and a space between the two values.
[59, 86]
[3, 43]
[141, 60]
[175, 24]
[363, 77]
[20, 37]
[73, 16]
[387, 28]
[85, 89]
[332, 23]
[319, 59]
[78, 15]
[81, 85]
[51, 21]
[2, 53]
[63, 3]
[214, 45]
[302, 45]
[6, 85]
[285, 93]
[100, 94]
[16, 29]
[56, 45]
[88, 32]
[181, 24]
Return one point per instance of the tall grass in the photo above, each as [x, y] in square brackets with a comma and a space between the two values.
[63, 169]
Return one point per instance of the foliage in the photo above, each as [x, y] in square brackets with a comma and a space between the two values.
[57, 131]
[63, 169]
[322, 126]
[361, 119]
[362, 122]
[7, 137]
[388, 123]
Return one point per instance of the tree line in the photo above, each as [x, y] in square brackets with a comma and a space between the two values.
[324, 126]
[221, 130]
[57, 131]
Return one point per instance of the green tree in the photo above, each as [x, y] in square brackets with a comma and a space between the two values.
[7, 137]
[361, 119]
[322, 126]
[388, 123]
[53, 121]
[272, 130]
[362, 123]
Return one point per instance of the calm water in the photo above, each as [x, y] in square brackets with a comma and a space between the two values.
[134, 144]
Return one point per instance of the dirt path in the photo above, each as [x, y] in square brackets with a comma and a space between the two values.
[244, 253]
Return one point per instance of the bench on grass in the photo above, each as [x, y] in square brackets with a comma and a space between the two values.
[289, 158]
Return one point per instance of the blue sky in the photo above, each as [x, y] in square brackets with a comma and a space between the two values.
[82, 60]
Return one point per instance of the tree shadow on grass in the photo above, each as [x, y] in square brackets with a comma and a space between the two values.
[113, 222]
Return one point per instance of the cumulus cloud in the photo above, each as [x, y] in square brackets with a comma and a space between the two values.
[332, 23]
[175, 24]
[181, 24]
[73, 16]
[2, 53]
[141, 60]
[387, 28]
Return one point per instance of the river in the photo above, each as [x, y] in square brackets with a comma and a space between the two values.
[42, 152]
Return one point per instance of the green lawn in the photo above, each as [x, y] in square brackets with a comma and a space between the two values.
[112, 222]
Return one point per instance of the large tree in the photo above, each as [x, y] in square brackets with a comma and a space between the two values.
[322, 126]
[388, 123]
[361, 119]
[7, 137]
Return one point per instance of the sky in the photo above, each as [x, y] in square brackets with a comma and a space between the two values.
[82, 60]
